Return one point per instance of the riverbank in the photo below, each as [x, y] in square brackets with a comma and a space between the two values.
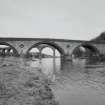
[20, 85]
[77, 84]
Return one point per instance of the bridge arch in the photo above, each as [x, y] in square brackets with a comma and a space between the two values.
[11, 48]
[51, 51]
[82, 49]
[49, 43]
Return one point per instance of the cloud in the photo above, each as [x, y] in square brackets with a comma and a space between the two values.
[69, 19]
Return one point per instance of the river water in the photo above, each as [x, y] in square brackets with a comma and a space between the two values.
[76, 82]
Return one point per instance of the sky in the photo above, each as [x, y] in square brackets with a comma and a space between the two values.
[61, 19]
[46, 50]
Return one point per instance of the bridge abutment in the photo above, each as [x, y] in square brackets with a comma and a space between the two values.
[68, 58]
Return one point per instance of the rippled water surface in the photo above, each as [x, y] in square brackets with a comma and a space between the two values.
[76, 82]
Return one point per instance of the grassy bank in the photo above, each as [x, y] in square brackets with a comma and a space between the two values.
[20, 85]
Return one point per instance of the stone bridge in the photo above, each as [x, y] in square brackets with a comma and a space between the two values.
[65, 47]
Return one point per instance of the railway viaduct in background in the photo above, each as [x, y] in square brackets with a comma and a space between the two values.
[64, 46]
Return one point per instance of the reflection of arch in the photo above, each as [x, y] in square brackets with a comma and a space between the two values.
[15, 53]
[90, 47]
[47, 43]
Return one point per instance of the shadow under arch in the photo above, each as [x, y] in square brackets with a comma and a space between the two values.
[7, 44]
[54, 45]
[91, 47]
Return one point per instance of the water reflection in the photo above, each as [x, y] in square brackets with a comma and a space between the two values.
[66, 73]
[49, 66]
[54, 66]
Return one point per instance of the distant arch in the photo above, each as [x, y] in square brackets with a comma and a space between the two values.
[83, 48]
[12, 49]
[49, 43]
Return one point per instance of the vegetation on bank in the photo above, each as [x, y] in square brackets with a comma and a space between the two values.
[24, 86]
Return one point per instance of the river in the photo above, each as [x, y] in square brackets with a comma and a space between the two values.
[76, 82]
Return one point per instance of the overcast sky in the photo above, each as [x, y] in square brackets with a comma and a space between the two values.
[65, 19]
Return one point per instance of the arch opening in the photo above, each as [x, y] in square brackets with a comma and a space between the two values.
[7, 50]
[34, 52]
[47, 49]
[48, 52]
[85, 51]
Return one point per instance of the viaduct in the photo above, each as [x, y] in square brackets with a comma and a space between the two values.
[66, 47]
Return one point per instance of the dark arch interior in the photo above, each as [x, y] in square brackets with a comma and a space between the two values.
[50, 44]
[92, 48]
[89, 51]
[7, 50]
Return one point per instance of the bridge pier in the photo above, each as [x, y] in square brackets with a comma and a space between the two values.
[68, 58]
[40, 53]
[3, 52]
[8, 52]
[54, 53]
